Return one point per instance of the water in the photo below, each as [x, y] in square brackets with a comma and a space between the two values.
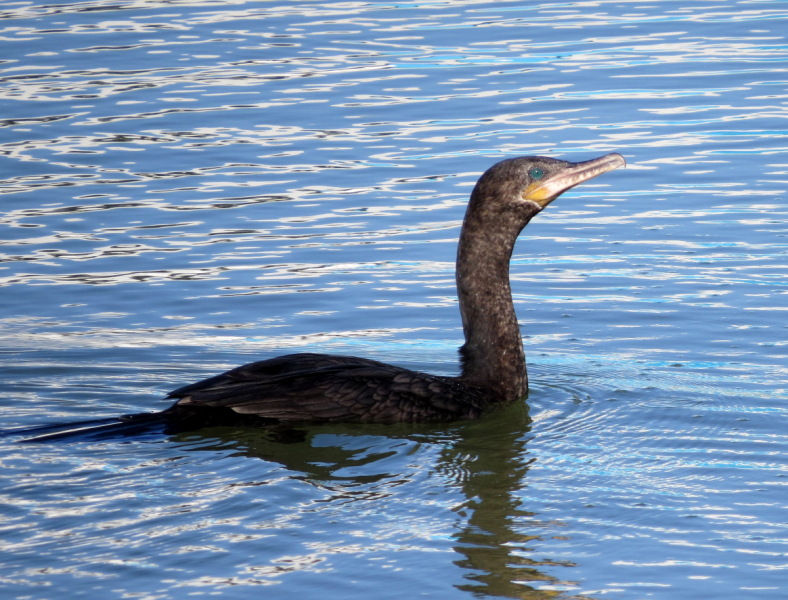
[190, 186]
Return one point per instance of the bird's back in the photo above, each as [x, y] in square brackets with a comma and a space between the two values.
[318, 387]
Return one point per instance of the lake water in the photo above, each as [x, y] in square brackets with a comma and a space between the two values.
[189, 186]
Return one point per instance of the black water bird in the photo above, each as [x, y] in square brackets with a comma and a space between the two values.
[326, 388]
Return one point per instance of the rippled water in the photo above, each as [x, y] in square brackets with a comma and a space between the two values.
[188, 186]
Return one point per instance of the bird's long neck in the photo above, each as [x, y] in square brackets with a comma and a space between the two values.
[493, 355]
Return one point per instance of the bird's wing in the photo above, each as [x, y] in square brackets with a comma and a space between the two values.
[306, 387]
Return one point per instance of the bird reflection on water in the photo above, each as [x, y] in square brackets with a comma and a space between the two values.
[481, 466]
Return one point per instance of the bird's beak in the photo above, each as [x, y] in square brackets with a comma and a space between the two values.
[544, 191]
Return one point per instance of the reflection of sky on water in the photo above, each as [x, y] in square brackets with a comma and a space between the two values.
[189, 186]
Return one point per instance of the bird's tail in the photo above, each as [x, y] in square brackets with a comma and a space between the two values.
[95, 429]
[176, 419]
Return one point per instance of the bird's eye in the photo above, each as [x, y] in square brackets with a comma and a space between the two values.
[536, 173]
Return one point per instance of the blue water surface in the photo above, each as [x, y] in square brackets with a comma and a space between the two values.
[188, 186]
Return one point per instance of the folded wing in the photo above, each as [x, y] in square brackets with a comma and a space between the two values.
[316, 387]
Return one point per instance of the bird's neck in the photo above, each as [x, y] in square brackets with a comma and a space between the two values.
[493, 355]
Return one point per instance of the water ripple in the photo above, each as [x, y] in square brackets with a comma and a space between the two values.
[191, 186]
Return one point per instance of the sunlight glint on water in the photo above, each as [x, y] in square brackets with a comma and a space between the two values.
[188, 186]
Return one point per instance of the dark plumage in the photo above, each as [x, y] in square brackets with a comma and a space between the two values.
[315, 387]
[318, 387]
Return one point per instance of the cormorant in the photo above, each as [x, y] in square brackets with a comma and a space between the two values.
[326, 388]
